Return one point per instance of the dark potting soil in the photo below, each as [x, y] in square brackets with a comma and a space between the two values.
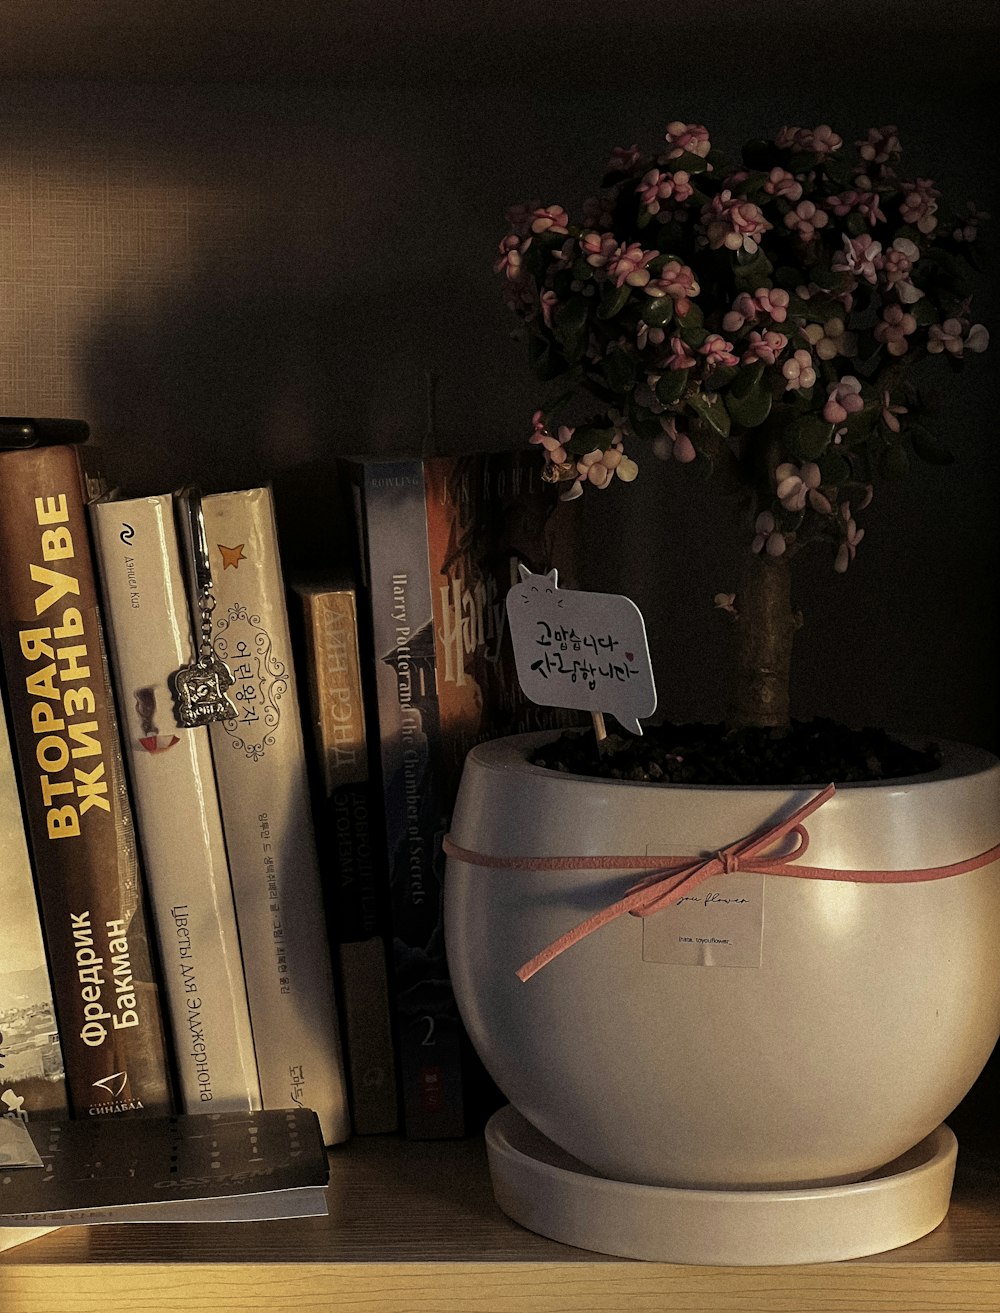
[809, 752]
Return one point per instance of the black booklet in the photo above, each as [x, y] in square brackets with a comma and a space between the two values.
[206, 1167]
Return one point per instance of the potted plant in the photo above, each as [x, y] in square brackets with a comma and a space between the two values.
[769, 324]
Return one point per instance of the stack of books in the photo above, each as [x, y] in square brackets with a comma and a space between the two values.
[223, 811]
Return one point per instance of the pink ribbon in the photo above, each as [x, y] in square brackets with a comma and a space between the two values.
[671, 877]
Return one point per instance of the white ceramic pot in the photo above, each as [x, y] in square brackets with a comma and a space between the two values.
[865, 1017]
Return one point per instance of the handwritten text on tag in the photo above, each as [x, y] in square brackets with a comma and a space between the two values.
[581, 650]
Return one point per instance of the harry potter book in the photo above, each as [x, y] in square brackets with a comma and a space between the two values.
[79, 816]
[439, 543]
[349, 835]
[260, 768]
[177, 807]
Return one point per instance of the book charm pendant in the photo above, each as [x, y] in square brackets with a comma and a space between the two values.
[199, 689]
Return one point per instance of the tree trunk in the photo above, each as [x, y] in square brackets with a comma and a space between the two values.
[763, 634]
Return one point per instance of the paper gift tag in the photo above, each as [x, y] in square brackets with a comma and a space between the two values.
[582, 650]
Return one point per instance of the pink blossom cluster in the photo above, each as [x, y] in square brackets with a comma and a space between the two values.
[793, 286]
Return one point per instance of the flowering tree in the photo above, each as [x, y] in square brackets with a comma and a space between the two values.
[758, 324]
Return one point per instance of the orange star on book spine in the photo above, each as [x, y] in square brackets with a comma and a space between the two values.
[231, 556]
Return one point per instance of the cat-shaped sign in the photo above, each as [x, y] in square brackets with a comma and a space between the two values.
[581, 650]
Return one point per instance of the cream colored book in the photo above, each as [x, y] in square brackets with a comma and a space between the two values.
[179, 823]
[260, 766]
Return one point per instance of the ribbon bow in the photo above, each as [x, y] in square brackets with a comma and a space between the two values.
[672, 877]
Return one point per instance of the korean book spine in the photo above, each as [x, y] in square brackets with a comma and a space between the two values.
[266, 809]
[349, 835]
[76, 797]
[176, 804]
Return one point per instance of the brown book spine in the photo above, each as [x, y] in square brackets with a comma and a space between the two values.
[79, 820]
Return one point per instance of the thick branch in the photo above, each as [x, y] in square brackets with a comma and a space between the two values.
[764, 631]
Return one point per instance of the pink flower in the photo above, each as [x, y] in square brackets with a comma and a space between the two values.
[717, 351]
[798, 371]
[969, 226]
[852, 536]
[821, 140]
[656, 187]
[554, 448]
[624, 159]
[861, 255]
[805, 220]
[773, 301]
[919, 204]
[628, 265]
[733, 223]
[767, 347]
[767, 537]
[597, 248]
[866, 203]
[889, 413]
[512, 250]
[744, 311]
[549, 301]
[830, 339]
[949, 337]
[519, 217]
[676, 280]
[599, 211]
[782, 183]
[881, 146]
[549, 218]
[899, 261]
[690, 137]
[673, 444]
[895, 327]
[843, 398]
[678, 358]
[795, 487]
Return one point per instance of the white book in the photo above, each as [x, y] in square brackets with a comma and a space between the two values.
[260, 766]
[179, 823]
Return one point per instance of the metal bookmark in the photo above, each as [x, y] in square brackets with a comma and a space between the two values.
[199, 689]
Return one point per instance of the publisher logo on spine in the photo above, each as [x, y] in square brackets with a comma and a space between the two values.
[113, 1088]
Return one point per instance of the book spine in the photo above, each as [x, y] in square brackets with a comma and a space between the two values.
[350, 848]
[77, 806]
[176, 803]
[267, 817]
[393, 533]
[32, 1077]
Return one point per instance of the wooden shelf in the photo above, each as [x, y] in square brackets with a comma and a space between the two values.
[414, 1227]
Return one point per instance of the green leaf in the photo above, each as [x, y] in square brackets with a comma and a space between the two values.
[620, 371]
[894, 461]
[643, 424]
[856, 224]
[693, 319]
[689, 162]
[545, 359]
[751, 273]
[587, 437]
[671, 386]
[927, 446]
[658, 311]
[752, 408]
[612, 300]
[924, 312]
[788, 277]
[834, 469]
[710, 407]
[720, 377]
[747, 379]
[570, 326]
[809, 436]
